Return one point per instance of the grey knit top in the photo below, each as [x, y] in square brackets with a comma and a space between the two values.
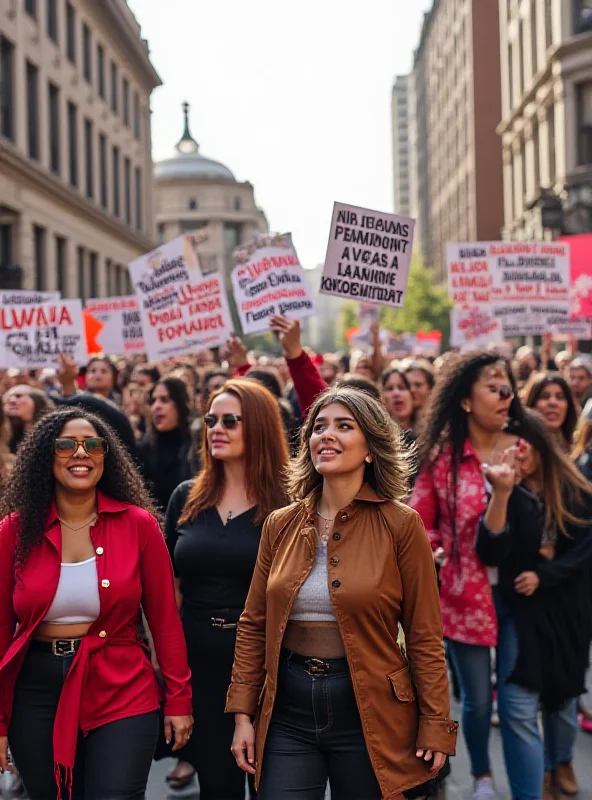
[313, 602]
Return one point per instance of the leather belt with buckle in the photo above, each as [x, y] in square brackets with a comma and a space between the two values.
[220, 622]
[317, 667]
[64, 647]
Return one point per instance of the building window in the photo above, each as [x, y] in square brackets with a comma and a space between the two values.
[101, 71]
[548, 23]
[73, 144]
[33, 110]
[89, 153]
[53, 101]
[60, 254]
[584, 98]
[39, 244]
[93, 289]
[52, 20]
[127, 189]
[70, 32]
[5, 245]
[236, 204]
[6, 88]
[86, 53]
[118, 280]
[193, 204]
[126, 102]
[80, 271]
[109, 277]
[137, 115]
[31, 7]
[103, 169]
[583, 21]
[116, 207]
[160, 229]
[138, 181]
[114, 88]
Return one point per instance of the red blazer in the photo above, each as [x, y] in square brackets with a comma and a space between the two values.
[111, 676]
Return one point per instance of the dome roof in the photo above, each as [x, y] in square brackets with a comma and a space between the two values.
[188, 162]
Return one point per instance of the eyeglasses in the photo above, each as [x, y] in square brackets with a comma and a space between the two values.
[95, 447]
[229, 421]
[505, 391]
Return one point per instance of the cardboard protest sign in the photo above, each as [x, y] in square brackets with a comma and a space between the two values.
[121, 332]
[33, 336]
[474, 327]
[268, 280]
[181, 311]
[368, 256]
[22, 297]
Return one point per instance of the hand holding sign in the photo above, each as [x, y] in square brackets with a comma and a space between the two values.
[237, 353]
[288, 331]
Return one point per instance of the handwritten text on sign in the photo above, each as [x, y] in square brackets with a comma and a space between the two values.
[368, 255]
[122, 331]
[474, 327]
[33, 336]
[269, 280]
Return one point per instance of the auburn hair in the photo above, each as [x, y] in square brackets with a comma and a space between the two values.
[266, 455]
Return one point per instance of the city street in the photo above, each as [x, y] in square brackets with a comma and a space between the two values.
[458, 786]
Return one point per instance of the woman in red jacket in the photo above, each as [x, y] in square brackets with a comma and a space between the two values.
[80, 556]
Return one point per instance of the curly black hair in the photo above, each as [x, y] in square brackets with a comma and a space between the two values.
[30, 488]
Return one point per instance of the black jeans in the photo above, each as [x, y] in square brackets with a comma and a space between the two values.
[112, 762]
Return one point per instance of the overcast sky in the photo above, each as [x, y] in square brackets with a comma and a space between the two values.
[294, 97]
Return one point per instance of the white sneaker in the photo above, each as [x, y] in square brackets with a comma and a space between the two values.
[484, 789]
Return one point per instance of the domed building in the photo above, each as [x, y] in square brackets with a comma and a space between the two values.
[195, 192]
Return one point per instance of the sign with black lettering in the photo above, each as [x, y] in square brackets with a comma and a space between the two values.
[33, 336]
[368, 256]
[122, 324]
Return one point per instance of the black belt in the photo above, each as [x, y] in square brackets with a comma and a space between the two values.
[57, 647]
[226, 618]
[316, 667]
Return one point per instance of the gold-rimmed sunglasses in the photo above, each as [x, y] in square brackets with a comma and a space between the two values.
[94, 446]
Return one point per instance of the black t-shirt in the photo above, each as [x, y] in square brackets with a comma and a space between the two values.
[214, 561]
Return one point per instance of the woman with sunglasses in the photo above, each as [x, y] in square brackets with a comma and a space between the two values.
[463, 429]
[80, 555]
[213, 529]
[538, 531]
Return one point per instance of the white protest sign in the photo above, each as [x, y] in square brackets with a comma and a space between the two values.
[368, 255]
[580, 329]
[530, 319]
[533, 272]
[22, 297]
[269, 280]
[474, 327]
[469, 278]
[122, 326]
[33, 336]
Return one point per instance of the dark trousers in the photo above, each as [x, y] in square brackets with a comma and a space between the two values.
[112, 762]
[316, 734]
[211, 653]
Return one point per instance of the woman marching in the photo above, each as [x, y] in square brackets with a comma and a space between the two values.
[213, 531]
[320, 688]
[80, 555]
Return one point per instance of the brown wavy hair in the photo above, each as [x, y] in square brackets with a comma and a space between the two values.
[266, 455]
[392, 459]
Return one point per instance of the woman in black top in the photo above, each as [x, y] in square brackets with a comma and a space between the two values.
[539, 533]
[165, 452]
[213, 527]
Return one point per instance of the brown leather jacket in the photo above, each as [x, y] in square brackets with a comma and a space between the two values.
[381, 572]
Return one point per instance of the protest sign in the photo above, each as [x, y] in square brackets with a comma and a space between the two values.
[581, 275]
[368, 256]
[22, 297]
[33, 336]
[580, 329]
[428, 343]
[121, 332]
[474, 327]
[530, 319]
[268, 280]
[181, 311]
[469, 278]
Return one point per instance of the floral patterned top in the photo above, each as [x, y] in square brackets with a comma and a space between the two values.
[468, 613]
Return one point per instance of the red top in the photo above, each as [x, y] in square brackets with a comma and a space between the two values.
[308, 381]
[111, 676]
[468, 613]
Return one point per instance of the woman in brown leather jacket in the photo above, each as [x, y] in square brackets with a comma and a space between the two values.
[320, 687]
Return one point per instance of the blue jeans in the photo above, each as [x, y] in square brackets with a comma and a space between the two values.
[527, 757]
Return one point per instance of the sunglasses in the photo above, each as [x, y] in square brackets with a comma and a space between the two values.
[95, 447]
[505, 391]
[229, 421]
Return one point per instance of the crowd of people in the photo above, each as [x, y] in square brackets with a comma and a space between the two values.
[289, 627]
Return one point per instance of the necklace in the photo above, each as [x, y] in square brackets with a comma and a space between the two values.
[88, 522]
[324, 536]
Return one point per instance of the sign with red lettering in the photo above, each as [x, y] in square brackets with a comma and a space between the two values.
[269, 280]
[181, 311]
[121, 334]
[474, 327]
[33, 336]
[368, 256]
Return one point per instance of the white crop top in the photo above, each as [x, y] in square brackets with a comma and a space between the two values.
[313, 602]
[76, 600]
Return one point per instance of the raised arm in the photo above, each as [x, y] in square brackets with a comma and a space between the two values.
[308, 382]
